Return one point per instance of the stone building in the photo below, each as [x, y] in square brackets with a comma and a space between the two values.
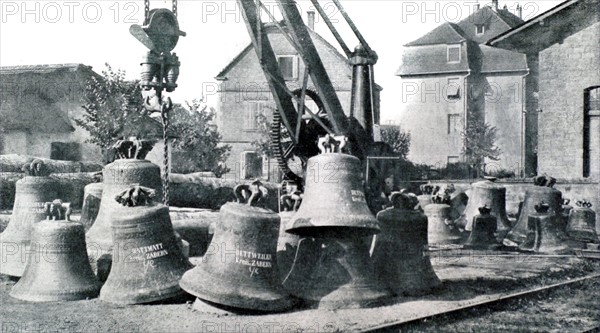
[244, 92]
[450, 73]
[563, 92]
[37, 107]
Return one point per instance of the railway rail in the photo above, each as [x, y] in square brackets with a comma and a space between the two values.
[397, 325]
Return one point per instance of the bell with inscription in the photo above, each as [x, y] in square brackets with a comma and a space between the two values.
[129, 169]
[487, 193]
[582, 222]
[147, 261]
[399, 251]
[332, 268]
[92, 194]
[31, 194]
[241, 273]
[57, 268]
[542, 191]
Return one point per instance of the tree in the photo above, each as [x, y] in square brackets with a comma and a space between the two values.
[397, 139]
[113, 110]
[196, 143]
[479, 141]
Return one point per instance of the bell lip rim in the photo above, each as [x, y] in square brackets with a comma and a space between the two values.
[172, 292]
[86, 294]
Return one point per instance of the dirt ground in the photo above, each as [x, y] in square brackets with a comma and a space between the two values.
[466, 276]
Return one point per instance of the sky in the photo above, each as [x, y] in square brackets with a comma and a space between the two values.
[97, 32]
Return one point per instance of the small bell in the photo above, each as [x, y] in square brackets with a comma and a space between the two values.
[582, 223]
[484, 229]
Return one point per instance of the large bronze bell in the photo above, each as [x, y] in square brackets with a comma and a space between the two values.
[332, 267]
[540, 192]
[334, 199]
[147, 262]
[31, 193]
[483, 232]
[399, 251]
[92, 194]
[544, 231]
[487, 193]
[582, 222]
[57, 268]
[241, 273]
[131, 169]
[441, 230]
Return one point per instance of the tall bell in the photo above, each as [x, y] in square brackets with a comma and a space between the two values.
[483, 232]
[486, 193]
[241, 272]
[399, 249]
[147, 262]
[582, 223]
[31, 193]
[441, 231]
[533, 196]
[92, 193]
[131, 169]
[332, 267]
[544, 232]
[334, 199]
[57, 268]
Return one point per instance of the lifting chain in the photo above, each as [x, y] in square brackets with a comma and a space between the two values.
[147, 10]
[164, 115]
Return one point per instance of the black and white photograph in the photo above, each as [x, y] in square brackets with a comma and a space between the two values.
[318, 166]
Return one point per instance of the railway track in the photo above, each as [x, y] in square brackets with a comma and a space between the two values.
[397, 325]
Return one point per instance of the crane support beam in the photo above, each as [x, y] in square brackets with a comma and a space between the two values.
[269, 64]
[318, 74]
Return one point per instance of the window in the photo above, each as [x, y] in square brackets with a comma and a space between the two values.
[453, 88]
[253, 109]
[479, 29]
[453, 124]
[288, 66]
[453, 159]
[453, 53]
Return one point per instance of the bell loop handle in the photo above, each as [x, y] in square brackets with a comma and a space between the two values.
[583, 204]
[250, 194]
[332, 143]
[136, 196]
[566, 201]
[401, 200]
[36, 168]
[242, 193]
[58, 210]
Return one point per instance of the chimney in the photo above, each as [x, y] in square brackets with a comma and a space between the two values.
[477, 6]
[495, 5]
[311, 19]
[520, 11]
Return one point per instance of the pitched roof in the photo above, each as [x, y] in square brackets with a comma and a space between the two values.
[550, 27]
[42, 69]
[447, 33]
[431, 60]
[495, 60]
[495, 22]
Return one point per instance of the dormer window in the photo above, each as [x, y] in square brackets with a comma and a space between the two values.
[453, 53]
[479, 29]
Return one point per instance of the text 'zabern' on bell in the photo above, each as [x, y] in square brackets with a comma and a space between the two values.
[147, 262]
[31, 194]
[240, 273]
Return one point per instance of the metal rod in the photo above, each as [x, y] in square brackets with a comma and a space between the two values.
[352, 26]
[332, 28]
[301, 104]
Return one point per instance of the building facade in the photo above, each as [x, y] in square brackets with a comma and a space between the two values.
[563, 93]
[449, 74]
[244, 92]
[37, 108]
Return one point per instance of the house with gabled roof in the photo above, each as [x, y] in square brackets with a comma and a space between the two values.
[244, 93]
[38, 105]
[562, 46]
[448, 74]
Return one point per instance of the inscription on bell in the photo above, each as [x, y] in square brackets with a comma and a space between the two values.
[36, 207]
[253, 259]
[358, 196]
[149, 252]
